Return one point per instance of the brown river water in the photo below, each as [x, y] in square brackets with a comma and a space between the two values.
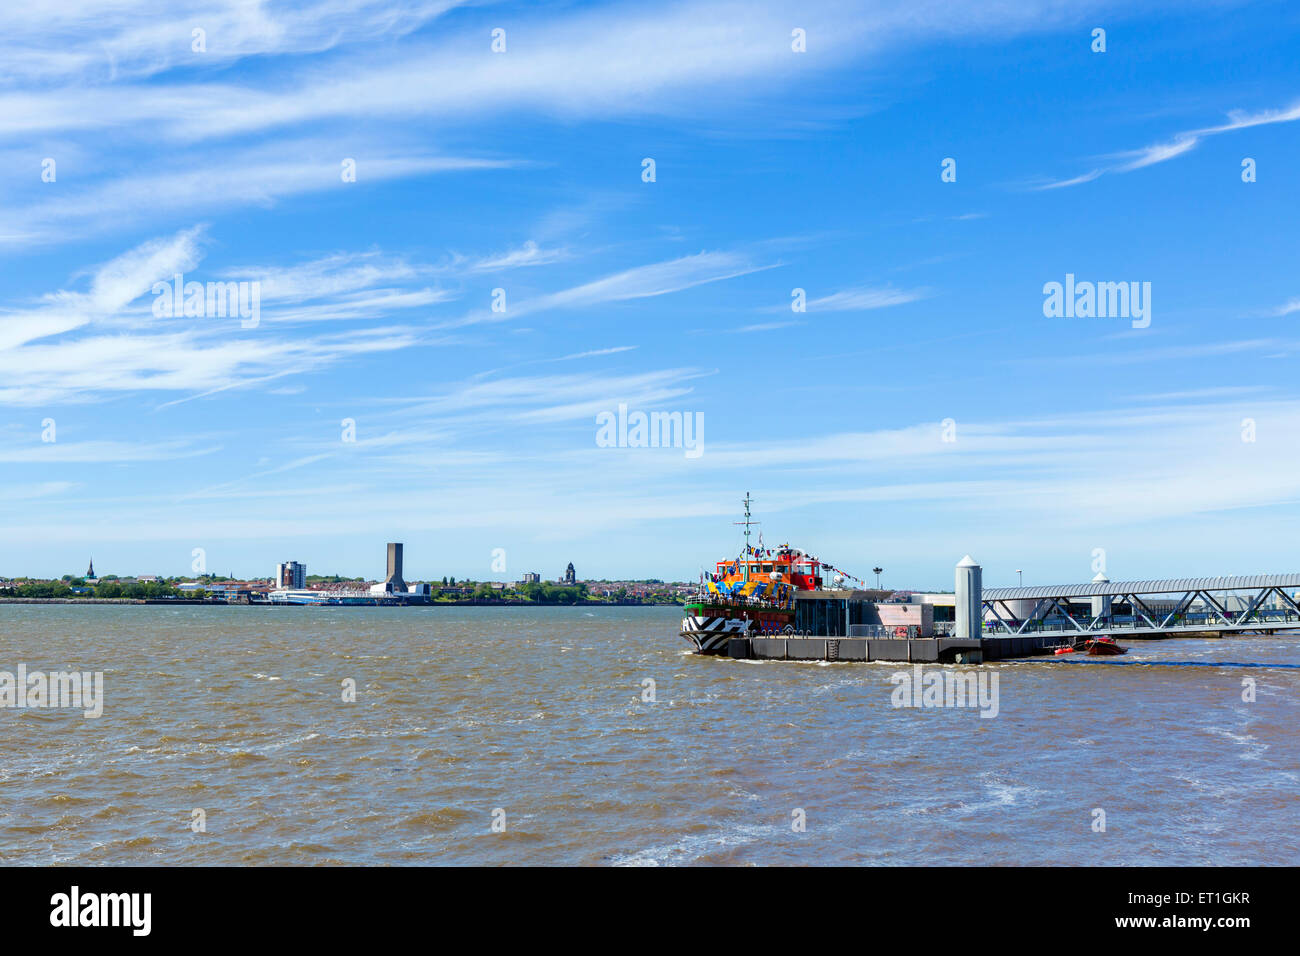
[539, 714]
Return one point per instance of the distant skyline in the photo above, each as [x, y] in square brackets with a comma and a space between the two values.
[435, 342]
[523, 576]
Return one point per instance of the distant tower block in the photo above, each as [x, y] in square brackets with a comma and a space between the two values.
[569, 576]
[394, 580]
[291, 574]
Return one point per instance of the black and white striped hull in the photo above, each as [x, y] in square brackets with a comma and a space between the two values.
[710, 635]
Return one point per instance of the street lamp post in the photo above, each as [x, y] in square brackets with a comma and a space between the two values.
[1022, 576]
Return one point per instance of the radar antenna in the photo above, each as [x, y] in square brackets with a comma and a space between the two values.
[747, 523]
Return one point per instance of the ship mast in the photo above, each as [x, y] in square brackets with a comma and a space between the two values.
[747, 523]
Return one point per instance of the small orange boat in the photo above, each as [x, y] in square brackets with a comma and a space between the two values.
[1065, 650]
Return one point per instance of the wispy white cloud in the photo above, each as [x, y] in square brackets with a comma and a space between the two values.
[1219, 391]
[258, 176]
[592, 62]
[113, 287]
[27, 492]
[134, 39]
[581, 62]
[860, 299]
[1179, 145]
[1177, 352]
[639, 282]
[596, 352]
[100, 452]
[1090, 473]
[1074, 181]
[765, 327]
[136, 75]
[1158, 153]
[71, 345]
[551, 398]
[528, 254]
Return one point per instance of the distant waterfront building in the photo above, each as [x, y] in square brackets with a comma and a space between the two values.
[236, 592]
[291, 574]
[570, 577]
[531, 577]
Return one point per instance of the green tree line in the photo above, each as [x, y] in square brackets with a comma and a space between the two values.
[135, 590]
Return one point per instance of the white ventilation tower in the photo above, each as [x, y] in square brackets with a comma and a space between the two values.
[970, 598]
[1101, 602]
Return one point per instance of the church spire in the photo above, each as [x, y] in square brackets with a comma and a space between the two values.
[90, 573]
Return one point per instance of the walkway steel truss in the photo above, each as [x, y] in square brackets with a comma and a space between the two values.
[1051, 611]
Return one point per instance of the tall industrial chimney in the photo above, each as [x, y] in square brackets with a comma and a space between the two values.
[394, 580]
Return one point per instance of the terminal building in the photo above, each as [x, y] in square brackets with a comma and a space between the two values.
[882, 613]
[393, 589]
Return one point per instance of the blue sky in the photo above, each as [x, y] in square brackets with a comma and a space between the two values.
[522, 170]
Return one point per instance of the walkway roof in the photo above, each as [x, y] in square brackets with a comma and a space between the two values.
[1169, 586]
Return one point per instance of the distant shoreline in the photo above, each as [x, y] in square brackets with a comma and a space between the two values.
[182, 602]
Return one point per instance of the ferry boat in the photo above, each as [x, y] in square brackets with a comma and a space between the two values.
[750, 594]
[1104, 647]
[1095, 646]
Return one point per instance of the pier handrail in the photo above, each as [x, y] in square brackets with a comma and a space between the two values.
[1211, 620]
